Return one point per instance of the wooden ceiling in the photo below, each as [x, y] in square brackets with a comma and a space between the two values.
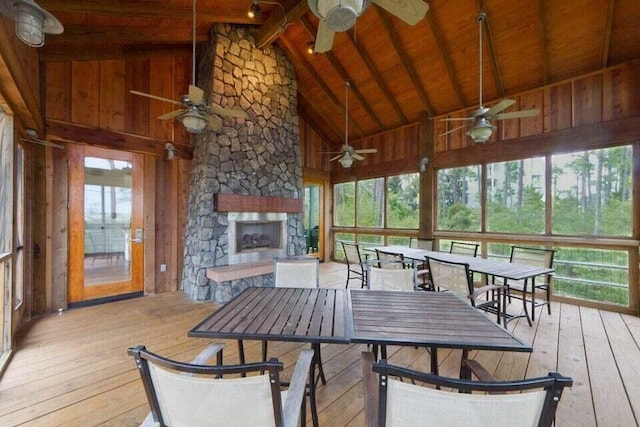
[397, 71]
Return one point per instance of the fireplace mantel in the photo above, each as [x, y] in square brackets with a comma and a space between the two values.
[244, 203]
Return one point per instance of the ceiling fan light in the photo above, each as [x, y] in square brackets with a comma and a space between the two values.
[346, 161]
[339, 15]
[482, 131]
[193, 121]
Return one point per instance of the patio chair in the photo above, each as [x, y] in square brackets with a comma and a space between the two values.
[388, 256]
[535, 257]
[424, 244]
[464, 248]
[178, 397]
[390, 275]
[391, 402]
[355, 264]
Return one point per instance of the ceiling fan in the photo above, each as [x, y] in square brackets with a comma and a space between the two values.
[340, 15]
[347, 153]
[195, 113]
[482, 128]
[33, 138]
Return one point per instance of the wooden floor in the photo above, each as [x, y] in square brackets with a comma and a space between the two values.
[73, 370]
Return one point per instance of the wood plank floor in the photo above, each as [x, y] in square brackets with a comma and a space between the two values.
[73, 370]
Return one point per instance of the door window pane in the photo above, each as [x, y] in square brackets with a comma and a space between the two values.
[403, 204]
[459, 198]
[371, 203]
[344, 203]
[515, 196]
[592, 192]
[311, 220]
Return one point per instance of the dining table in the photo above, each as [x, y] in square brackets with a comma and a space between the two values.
[490, 268]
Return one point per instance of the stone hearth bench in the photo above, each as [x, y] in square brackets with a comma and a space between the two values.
[240, 271]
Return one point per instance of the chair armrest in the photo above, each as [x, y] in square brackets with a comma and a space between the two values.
[207, 354]
[297, 389]
[478, 370]
[488, 288]
[422, 272]
[371, 390]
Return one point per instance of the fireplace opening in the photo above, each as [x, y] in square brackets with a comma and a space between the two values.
[258, 235]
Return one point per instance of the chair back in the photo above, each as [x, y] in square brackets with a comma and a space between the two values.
[452, 276]
[390, 275]
[352, 253]
[207, 400]
[388, 256]
[463, 248]
[424, 244]
[405, 403]
[532, 256]
[296, 272]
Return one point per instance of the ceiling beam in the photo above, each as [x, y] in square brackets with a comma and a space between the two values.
[344, 75]
[444, 53]
[78, 33]
[408, 66]
[318, 116]
[543, 38]
[78, 52]
[221, 11]
[492, 53]
[335, 102]
[377, 77]
[280, 18]
[606, 43]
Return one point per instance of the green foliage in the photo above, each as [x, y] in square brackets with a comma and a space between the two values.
[459, 217]
[403, 192]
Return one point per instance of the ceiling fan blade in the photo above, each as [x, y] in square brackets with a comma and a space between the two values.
[410, 11]
[456, 119]
[158, 98]
[336, 157]
[215, 122]
[195, 94]
[227, 112]
[324, 38]
[505, 103]
[366, 151]
[518, 114]
[453, 130]
[43, 142]
[172, 114]
[357, 156]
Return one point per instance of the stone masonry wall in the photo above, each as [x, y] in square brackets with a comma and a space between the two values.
[257, 156]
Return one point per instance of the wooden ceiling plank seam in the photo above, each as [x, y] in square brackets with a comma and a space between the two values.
[276, 24]
[406, 62]
[543, 40]
[345, 76]
[492, 52]
[606, 45]
[300, 59]
[377, 77]
[444, 53]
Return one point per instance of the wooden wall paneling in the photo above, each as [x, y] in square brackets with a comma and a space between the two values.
[75, 285]
[510, 129]
[440, 141]
[58, 91]
[587, 100]
[85, 91]
[39, 230]
[161, 84]
[137, 111]
[456, 139]
[59, 237]
[112, 94]
[184, 182]
[181, 82]
[166, 225]
[532, 125]
[50, 202]
[558, 107]
[621, 91]
[149, 215]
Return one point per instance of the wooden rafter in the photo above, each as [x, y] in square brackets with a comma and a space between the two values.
[76, 33]
[406, 62]
[344, 75]
[606, 43]
[274, 26]
[543, 37]
[327, 123]
[444, 53]
[335, 102]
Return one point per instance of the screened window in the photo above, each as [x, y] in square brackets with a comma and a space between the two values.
[592, 192]
[403, 201]
[515, 196]
[459, 198]
[371, 203]
[344, 204]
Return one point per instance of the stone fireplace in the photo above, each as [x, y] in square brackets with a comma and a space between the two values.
[246, 179]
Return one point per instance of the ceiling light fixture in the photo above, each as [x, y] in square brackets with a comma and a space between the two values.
[193, 120]
[346, 161]
[32, 21]
[482, 130]
[310, 46]
[255, 11]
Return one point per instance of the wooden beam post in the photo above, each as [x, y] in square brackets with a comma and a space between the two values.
[426, 150]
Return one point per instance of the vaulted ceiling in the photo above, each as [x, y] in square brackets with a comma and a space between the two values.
[396, 71]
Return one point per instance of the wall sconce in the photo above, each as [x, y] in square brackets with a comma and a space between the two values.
[171, 151]
[310, 47]
[423, 164]
[32, 21]
[255, 11]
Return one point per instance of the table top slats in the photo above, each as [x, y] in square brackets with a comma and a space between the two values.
[278, 318]
[328, 313]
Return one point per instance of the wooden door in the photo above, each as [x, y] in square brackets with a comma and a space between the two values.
[106, 242]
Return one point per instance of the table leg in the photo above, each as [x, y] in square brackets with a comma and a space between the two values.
[312, 391]
[316, 351]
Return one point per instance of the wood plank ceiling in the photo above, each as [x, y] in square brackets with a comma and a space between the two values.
[396, 71]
